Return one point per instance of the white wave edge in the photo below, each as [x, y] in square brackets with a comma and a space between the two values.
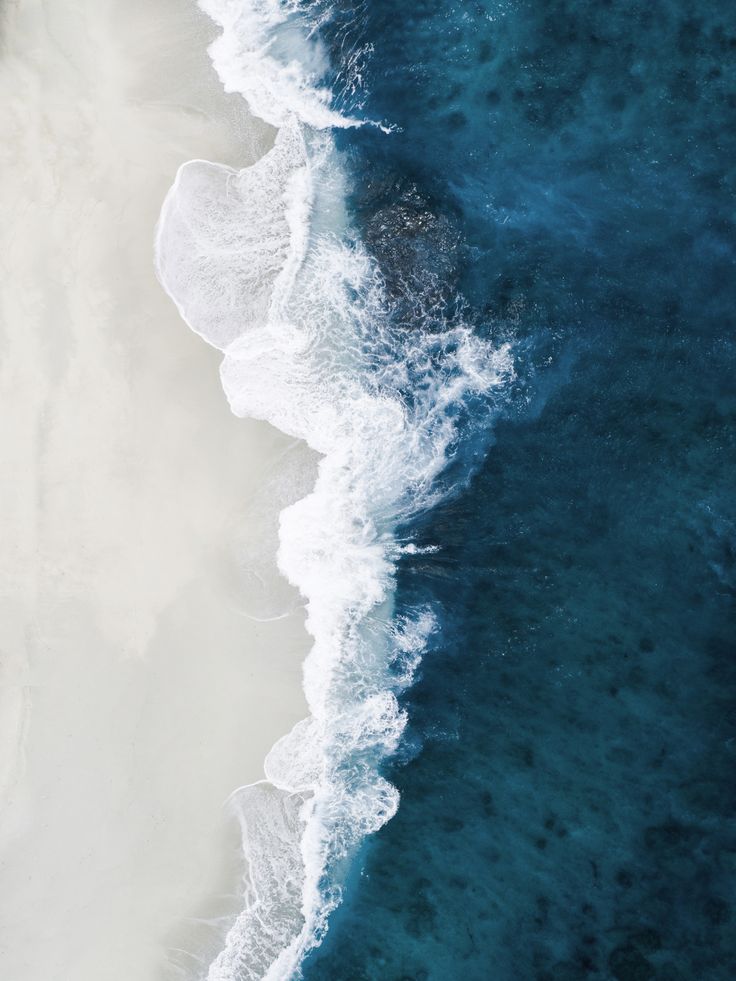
[261, 264]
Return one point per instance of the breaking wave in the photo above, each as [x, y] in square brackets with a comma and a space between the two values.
[263, 263]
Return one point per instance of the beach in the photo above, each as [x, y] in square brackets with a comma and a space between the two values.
[151, 653]
[369, 539]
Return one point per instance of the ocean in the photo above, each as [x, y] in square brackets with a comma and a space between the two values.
[487, 271]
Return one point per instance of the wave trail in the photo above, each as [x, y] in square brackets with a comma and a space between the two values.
[263, 264]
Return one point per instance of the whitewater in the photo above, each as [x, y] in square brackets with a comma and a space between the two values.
[265, 264]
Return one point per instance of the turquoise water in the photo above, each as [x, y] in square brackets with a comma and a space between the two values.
[567, 780]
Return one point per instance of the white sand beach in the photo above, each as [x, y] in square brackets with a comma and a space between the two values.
[149, 653]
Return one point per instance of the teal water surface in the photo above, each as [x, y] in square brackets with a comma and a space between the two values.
[567, 782]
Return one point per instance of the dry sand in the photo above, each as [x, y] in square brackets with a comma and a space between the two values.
[149, 654]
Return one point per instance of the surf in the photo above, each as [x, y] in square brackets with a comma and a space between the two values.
[266, 264]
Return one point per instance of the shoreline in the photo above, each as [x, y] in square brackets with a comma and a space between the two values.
[163, 649]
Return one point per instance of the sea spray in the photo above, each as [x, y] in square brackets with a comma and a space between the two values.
[264, 264]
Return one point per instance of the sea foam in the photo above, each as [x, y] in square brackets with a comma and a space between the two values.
[269, 52]
[264, 265]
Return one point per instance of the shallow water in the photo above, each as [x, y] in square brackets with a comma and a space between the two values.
[567, 780]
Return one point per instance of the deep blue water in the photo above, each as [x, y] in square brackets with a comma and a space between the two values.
[568, 791]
